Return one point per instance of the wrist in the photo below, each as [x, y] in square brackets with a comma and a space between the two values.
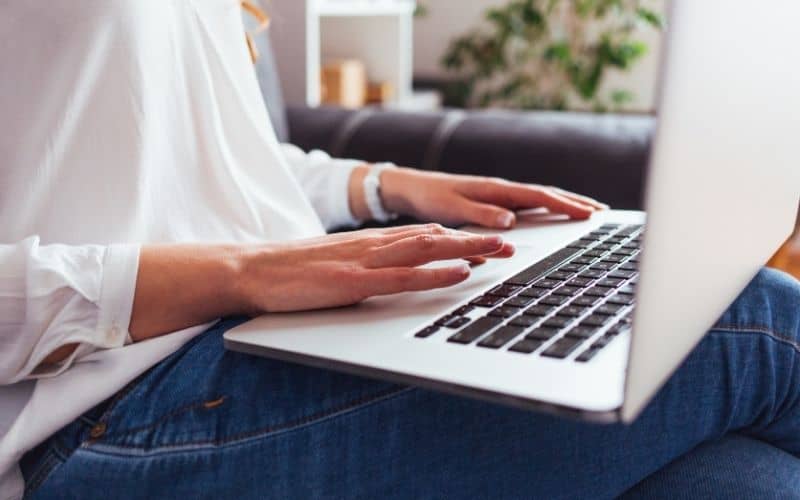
[356, 197]
[179, 286]
[395, 186]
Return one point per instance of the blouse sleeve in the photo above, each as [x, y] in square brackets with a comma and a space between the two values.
[325, 182]
[57, 295]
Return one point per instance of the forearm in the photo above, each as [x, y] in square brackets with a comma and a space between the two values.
[179, 286]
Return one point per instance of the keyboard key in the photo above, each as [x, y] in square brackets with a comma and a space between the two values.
[608, 309]
[503, 312]
[562, 348]
[554, 300]
[543, 266]
[526, 346]
[603, 266]
[622, 274]
[597, 234]
[476, 330]
[592, 274]
[610, 282]
[560, 275]
[615, 259]
[625, 252]
[572, 268]
[571, 311]
[567, 291]
[519, 301]
[595, 253]
[427, 332]
[463, 310]
[629, 266]
[585, 301]
[618, 329]
[539, 310]
[547, 283]
[587, 355]
[602, 342]
[524, 321]
[542, 333]
[582, 332]
[504, 290]
[501, 337]
[443, 321]
[630, 229]
[629, 289]
[582, 244]
[597, 291]
[622, 299]
[595, 320]
[609, 227]
[487, 301]
[579, 282]
[453, 322]
[604, 247]
[585, 260]
[558, 322]
[533, 292]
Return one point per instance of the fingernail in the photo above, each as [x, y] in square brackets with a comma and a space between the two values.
[463, 270]
[505, 220]
[493, 241]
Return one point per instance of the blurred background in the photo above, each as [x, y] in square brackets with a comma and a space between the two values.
[575, 81]
[596, 55]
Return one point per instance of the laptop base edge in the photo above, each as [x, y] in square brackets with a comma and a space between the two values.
[598, 417]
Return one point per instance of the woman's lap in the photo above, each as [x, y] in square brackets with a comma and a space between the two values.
[210, 423]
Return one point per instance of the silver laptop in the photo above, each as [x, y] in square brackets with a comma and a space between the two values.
[590, 318]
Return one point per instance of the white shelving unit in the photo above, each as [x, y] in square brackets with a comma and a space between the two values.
[308, 33]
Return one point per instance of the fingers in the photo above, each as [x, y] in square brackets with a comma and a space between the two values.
[487, 215]
[405, 279]
[511, 195]
[424, 248]
[581, 199]
[560, 204]
[383, 234]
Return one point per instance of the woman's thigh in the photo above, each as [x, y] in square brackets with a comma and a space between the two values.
[733, 467]
[210, 423]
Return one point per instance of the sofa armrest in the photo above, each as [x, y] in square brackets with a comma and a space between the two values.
[603, 156]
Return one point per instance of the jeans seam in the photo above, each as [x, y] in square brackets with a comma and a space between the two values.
[309, 420]
[163, 418]
[785, 339]
[43, 471]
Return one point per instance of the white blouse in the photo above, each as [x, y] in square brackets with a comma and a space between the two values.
[125, 122]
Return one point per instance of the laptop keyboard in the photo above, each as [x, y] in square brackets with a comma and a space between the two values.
[570, 305]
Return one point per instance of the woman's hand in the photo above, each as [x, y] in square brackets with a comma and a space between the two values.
[460, 199]
[184, 285]
[348, 268]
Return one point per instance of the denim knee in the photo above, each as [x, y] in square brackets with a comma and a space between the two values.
[771, 303]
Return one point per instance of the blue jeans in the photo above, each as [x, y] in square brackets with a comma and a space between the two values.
[207, 423]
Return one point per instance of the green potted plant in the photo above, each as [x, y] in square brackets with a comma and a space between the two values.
[549, 54]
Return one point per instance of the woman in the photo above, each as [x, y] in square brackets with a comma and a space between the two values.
[142, 197]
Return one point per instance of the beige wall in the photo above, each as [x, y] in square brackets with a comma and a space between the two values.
[449, 18]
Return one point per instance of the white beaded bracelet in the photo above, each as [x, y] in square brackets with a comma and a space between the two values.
[372, 193]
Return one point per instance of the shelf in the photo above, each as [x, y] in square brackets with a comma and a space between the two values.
[360, 8]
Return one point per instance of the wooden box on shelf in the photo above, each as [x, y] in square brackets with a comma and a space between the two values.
[344, 83]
